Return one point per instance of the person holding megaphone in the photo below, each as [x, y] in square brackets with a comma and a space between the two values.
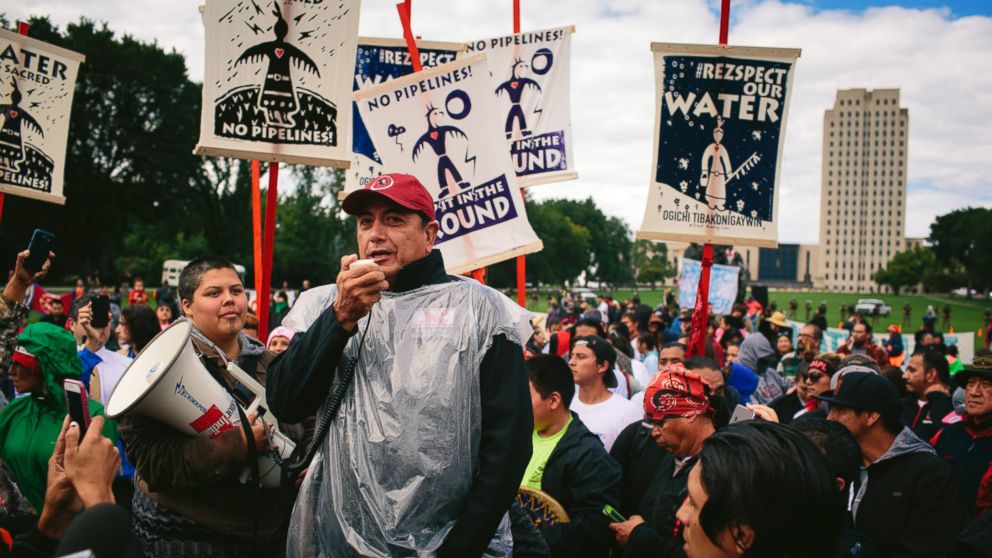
[190, 500]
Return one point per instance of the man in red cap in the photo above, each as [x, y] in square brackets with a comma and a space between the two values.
[681, 415]
[433, 436]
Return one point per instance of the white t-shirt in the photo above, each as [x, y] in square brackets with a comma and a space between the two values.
[609, 418]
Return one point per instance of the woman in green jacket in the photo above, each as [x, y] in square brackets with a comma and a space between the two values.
[29, 425]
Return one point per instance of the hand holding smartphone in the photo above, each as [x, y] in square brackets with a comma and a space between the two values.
[76, 403]
[741, 414]
[41, 244]
[612, 514]
[101, 312]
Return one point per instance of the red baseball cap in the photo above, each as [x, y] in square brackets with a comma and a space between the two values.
[403, 189]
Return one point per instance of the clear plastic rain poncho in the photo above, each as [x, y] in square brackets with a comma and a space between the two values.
[392, 475]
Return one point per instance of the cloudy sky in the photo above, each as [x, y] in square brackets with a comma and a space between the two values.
[937, 52]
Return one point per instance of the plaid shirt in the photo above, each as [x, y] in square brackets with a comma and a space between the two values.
[11, 315]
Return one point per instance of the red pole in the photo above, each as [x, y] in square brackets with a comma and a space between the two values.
[701, 311]
[256, 229]
[271, 200]
[521, 260]
[411, 46]
[22, 29]
[724, 21]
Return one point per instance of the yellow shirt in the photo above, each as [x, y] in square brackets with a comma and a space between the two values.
[543, 447]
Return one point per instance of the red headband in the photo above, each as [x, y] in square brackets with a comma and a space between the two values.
[27, 360]
[676, 393]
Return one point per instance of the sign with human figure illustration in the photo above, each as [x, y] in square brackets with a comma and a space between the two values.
[37, 82]
[531, 80]
[452, 141]
[278, 80]
[378, 61]
[720, 116]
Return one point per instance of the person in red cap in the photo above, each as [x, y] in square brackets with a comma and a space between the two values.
[433, 435]
[681, 413]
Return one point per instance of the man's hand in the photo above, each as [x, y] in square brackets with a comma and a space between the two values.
[763, 412]
[258, 428]
[91, 463]
[623, 530]
[61, 500]
[21, 280]
[358, 290]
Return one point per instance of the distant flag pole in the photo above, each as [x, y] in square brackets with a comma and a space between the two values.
[701, 311]
[521, 259]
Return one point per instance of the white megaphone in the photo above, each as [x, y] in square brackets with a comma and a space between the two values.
[168, 382]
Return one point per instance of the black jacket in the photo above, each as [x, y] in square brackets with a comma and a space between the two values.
[911, 506]
[925, 421]
[786, 407]
[656, 538]
[583, 478]
[299, 379]
[640, 459]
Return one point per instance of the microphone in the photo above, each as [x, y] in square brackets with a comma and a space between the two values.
[104, 530]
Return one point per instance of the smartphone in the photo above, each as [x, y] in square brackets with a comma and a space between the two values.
[741, 414]
[613, 514]
[101, 311]
[75, 401]
[41, 244]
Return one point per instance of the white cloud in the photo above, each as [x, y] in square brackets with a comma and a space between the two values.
[939, 63]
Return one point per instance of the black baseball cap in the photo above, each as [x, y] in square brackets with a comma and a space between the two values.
[866, 392]
[603, 351]
[981, 368]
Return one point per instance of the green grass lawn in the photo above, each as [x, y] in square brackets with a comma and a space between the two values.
[966, 315]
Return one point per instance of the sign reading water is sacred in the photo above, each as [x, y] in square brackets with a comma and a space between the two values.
[530, 74]
[278, 80]
[37, 81]
[440, 125]
[719, 130]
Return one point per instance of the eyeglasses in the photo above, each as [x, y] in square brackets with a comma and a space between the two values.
[813, 376]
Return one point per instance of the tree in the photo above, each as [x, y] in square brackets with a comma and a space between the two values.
[650, 262]
[566, 252]
[906, 268]
[610, 240]
[130, 168]
[960, 241]
[312, 236]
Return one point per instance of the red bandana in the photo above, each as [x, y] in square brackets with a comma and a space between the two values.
[676, 393]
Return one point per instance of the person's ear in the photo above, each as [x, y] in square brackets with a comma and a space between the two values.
[554, 401]
[743, 537]
[872, 418]
[841, 484]
[430, 233]
[187, 306]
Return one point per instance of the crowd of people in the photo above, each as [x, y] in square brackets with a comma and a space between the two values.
[432, 416]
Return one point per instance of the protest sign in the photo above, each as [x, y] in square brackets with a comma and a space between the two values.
[834, 337]
[440, 125]
[37, 81]
[531, 78]
[277, 80]
[723, 285]
[378, 61]
[719, 130]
